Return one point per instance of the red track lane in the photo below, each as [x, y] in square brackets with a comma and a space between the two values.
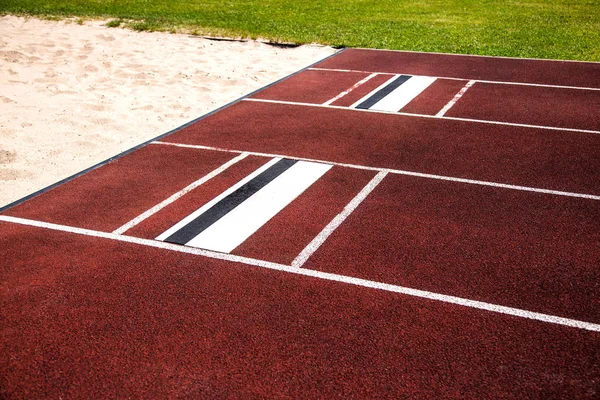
[522, 250]
[541, 158]
[435, 97]
[564, 73]
[361, 91]
[285, 235]
[568, 108]
[113, 194]
[311, 87]
[191, 201]
[88, 318]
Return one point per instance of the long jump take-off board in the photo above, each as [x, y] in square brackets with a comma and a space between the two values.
[379, 225]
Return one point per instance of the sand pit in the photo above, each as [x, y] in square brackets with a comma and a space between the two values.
[73, 95]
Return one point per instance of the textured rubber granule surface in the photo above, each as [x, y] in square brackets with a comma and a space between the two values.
[85, 316]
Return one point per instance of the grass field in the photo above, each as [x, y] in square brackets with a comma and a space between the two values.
[536, 28]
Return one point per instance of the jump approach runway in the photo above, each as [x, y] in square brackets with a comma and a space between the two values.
[380, 225]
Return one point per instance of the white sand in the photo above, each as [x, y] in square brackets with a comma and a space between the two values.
[73, 95]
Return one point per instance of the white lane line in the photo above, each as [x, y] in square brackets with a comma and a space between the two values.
[124, 228]
[345, 92]
[462, 79]
[403, 94]
[140, 241]
[399, 172]
[452, 102]
[516, 312]
[372, 92]
[479, 121]
[337, 221]
[214, 201]
[239, 224]
[479, 56]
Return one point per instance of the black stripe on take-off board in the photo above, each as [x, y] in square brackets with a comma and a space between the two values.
[229, 202]
[371, 101]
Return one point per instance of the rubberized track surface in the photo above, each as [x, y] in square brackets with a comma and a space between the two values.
[438, 238]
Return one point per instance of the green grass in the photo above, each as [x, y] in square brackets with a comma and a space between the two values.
[536, 28]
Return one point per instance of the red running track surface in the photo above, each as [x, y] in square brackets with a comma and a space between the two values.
[85, 316]
[360, 91]
[108, 197]
[435, 97]
[565, 73]
[566, 108]
[549, 159]
[311, 86]
[543, 106]
[93, 314]
[176, 211]
[285, 235]
[524, 250]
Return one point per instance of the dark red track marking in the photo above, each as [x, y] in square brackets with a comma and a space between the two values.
[285, 235]
[311, 86]
[507, 154]
[522, 250]
[435, 97]
[361, 91]
[567, 108]
[563, 73]
[190, 202]
[110, 196]
[85, 316]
